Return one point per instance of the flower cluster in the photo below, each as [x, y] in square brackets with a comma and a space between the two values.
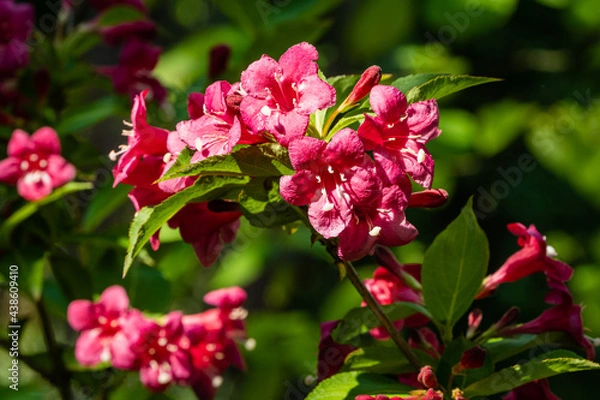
[393, 283]
[352, 194]
[34, 164]
[191, 350]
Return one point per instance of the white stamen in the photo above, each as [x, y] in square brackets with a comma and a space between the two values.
[165, 376]
[375, 231]
[34, 157]
[319, 179]
[127, 132]
[153, 364]
[551, 252]
[421, 156]
[43, 163]
[211, 347]
[35, 177]
[127, 123]
[238, 313]
[390, 125]
[24, 165]
[403, 117]
[265, 110]
[172, 348]
[167, 157]
[309, 380]
[327, 206]
[114, 323]
[102, 319]
[330, 169]
[105, 355]
[250, 344]
[217, 381]
[219, 356]
[162, 342]
[198, 144]
[152, 352]
[343, 178]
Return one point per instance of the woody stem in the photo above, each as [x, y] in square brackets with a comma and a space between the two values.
[387, 324]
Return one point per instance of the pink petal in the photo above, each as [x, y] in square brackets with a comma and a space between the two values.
[305, 152]
[232, 297]
[370, 133]
[299, 62]
[419, 164]
[81, 315]
[195, 105]
[46, 140]
[260, 76]
[251, 110]
[423, 120]
[60, 170]
[214, 98]
[314, 94]
[286, 126]
[355, 241]
[388, 103]
[149, 377]
[89, 347]
[19, 143]
[181, 366]
[34, 185]
[123, 357]
[298, 189]
[329, 222]
[10, 170]
[115, 299]
[344, 150]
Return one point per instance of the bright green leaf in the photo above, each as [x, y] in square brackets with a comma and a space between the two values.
[348, 385]
[270, 159]
[383, 359]
[87, 115]
[549, 364]
[408, 82]
[148, 220]
[263, 206]
[445, 85]
[453, 269]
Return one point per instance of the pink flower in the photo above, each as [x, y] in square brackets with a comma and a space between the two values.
[331, 354]
[282, 95]
[104, 4]
[101, 324]
[427, 377]
[34, 163]
[141, 160]
[535, 256]
[133, 74]
[219, 129]
[142, 30]
[388, 288]
[426, 340]
[206, 230]
[16, 23]
[161, 350]
[402, 130]
[330, 178]
[532, 390]
[472, 358]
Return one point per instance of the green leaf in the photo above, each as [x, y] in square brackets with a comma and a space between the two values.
[453, 268]
[549, 364]
[32, 207]
[348, 385]
[148, 220]
[445, 85]
[120, 14]
[383, 359]
[343, 85]
[351, 326]
[263, 206]
[503, 348]
[183, 161]
[408, 82]
[104, 204]
[269, 159]
[84, 116]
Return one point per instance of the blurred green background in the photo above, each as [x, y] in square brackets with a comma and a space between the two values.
[548, 106]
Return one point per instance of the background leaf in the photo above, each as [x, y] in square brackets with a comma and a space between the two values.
[445, 85]
[347, 385]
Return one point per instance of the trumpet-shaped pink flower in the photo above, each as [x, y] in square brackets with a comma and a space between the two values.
[282, 94]
[330, 178]
[532, 390]
[141, 160]
[219, 129]
[535, 256]
[16, 23]
[34, 164]
[161, 350]
[402, 130]
[101, 324]
[206, 230]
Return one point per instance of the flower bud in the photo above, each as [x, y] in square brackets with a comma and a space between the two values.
[427, 377]
[433, 395]
[367, 81]
[474, 321]
[507, 319]
[473, 358]
[430, 198]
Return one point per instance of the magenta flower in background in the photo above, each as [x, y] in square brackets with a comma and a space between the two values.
[330, 178]
[101, 325]
[142, 30]
[104, 4]
[16, 24]
[134, 72]
[282, 94]
[331, 354]
[400, 131]
[34, 164]
[206, 230]
[535, 256]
